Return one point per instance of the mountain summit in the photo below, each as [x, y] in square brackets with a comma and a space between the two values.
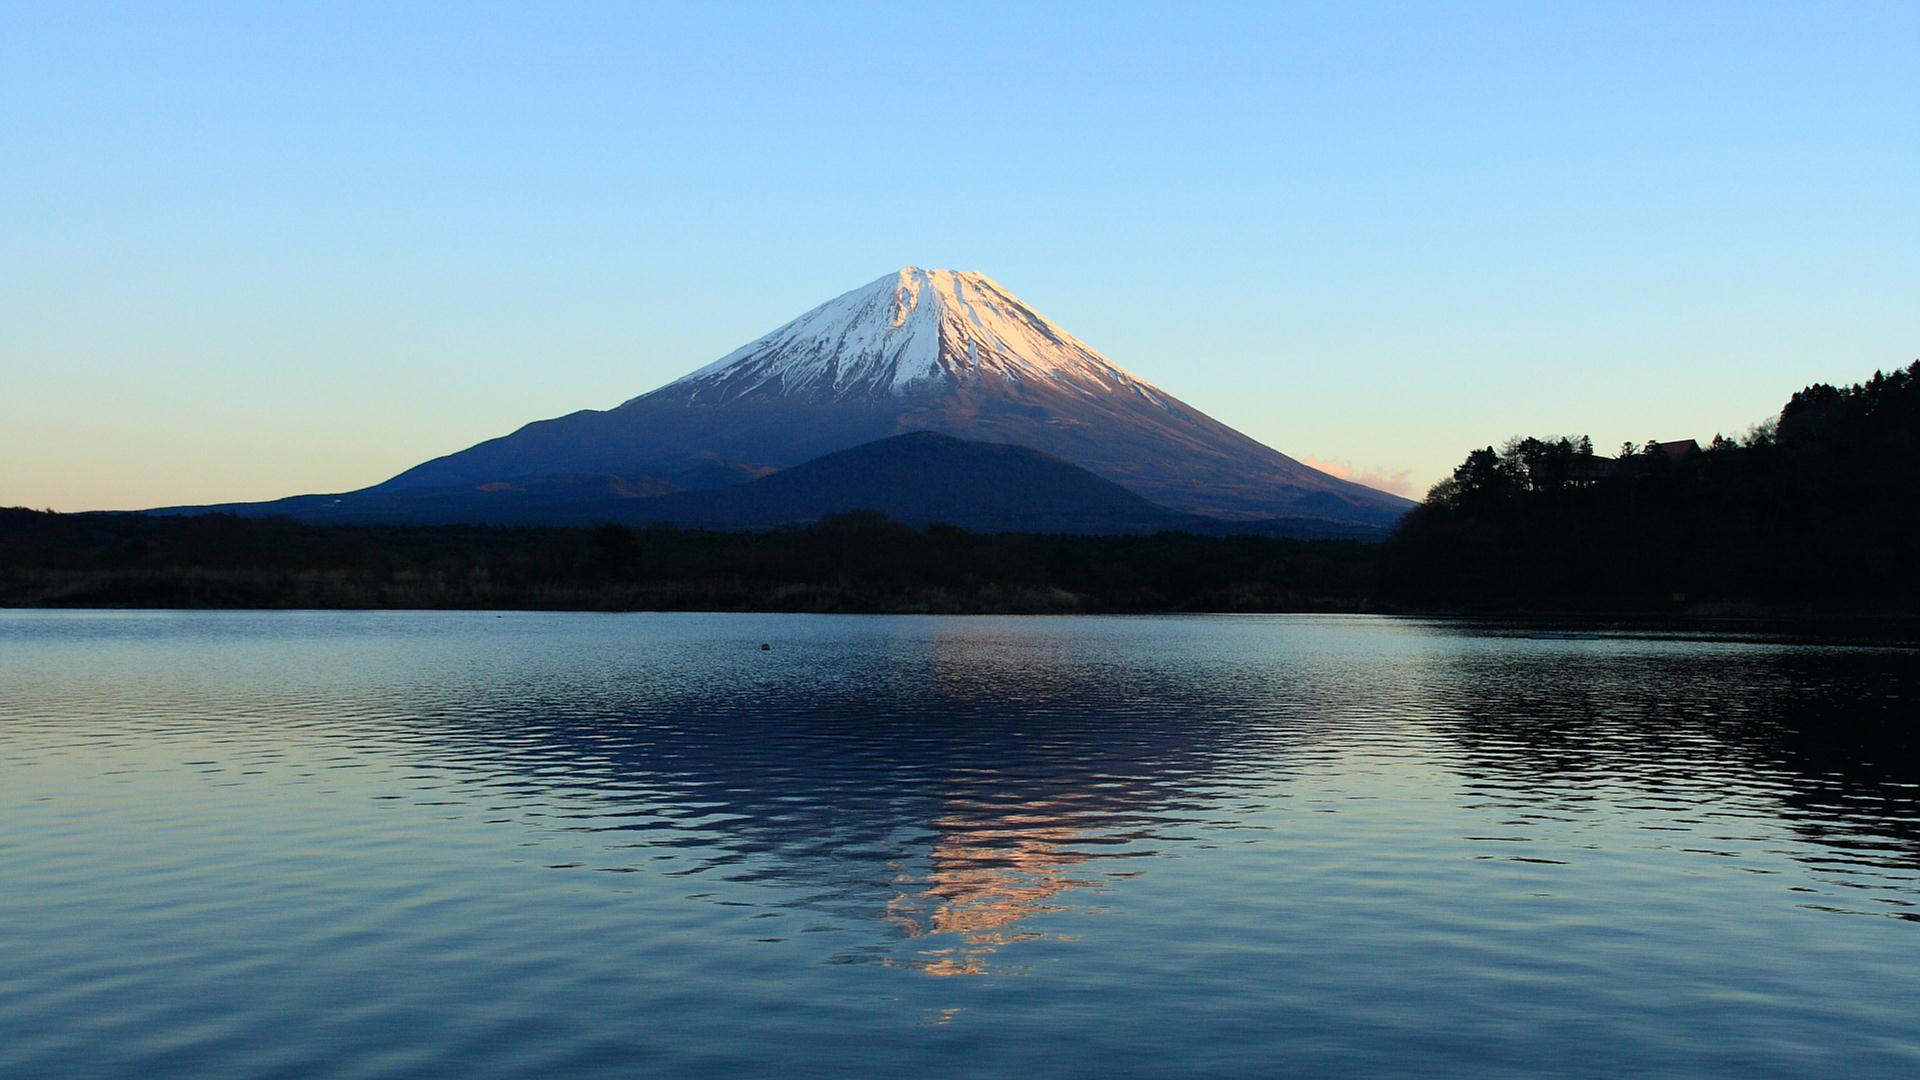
[917, 350]
[909, 332]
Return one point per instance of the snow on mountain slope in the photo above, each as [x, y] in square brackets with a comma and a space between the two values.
[912, 329]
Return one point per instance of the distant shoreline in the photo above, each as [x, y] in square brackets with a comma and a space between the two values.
[856, 564]
[1543, 618]
[1901, 626]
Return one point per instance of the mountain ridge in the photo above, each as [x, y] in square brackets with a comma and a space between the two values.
[933, 350]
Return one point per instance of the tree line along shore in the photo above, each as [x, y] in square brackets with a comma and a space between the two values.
[851, 562]
[1814, 512]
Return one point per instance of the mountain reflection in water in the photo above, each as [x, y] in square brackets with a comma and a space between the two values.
[948, 788]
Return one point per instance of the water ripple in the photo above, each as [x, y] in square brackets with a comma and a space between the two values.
[411, 844]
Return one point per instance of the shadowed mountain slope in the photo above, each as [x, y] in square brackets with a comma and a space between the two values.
[917, 479]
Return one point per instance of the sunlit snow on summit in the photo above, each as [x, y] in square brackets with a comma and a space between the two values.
[916, 326]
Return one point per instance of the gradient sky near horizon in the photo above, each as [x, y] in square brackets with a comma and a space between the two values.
[249, 251]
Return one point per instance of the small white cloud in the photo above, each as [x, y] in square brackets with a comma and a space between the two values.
[1396, 481]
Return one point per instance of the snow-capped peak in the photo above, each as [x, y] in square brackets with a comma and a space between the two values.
[913, 330]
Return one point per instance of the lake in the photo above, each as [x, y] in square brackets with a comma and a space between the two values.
[477, 844]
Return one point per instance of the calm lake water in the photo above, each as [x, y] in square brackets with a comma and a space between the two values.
[384, 844]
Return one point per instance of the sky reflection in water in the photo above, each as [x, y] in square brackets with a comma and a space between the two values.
[397, 843]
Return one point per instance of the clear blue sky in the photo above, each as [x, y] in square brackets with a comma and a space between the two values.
[259, 249]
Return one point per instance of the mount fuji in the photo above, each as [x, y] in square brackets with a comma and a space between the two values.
[940, 351]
